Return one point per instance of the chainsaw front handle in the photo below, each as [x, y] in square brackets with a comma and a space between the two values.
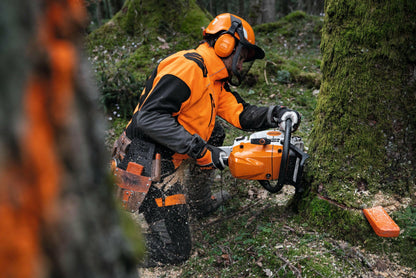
[285, 153]
[283, 163]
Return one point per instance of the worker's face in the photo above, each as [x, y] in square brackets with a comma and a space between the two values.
[229, 61]
[238, 68]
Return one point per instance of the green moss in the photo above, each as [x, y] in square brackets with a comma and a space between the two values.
[350, 225]
[109, 36]
[295, 16]
[194, 21]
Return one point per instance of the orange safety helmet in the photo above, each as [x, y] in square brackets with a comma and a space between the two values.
[231, 34]
[228, 28]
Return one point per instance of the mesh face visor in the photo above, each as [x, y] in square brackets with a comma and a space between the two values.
[239, 74]
[253, 52]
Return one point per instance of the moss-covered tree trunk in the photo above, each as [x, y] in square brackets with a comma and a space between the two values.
[363, 143]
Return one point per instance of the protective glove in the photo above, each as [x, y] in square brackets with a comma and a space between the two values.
[281, 114]
[211, 157]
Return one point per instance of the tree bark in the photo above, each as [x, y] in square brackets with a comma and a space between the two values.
[269, 11]
[362, 143]
[58, 216]
[254, 15]
[314, 7]
[241, 8]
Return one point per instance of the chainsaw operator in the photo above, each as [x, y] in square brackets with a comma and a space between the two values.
[175, 117]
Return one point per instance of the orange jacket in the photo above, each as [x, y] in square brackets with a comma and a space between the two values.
[181, 99]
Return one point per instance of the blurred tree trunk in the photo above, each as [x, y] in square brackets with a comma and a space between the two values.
[363, 141]
[268, 11]
[313, 7]
[58, 216]
[226, 7]
[213, 7]
[283, 7]
[255, 12]
[116, 5]
[241, 8]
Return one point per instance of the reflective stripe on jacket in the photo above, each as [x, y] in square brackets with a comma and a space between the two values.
[182, 97]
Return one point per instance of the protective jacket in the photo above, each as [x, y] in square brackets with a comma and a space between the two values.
[181, 99]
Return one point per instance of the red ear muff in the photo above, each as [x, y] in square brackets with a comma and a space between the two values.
[224, 45]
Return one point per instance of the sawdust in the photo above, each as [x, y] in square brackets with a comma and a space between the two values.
[159, 272]
[390, 202]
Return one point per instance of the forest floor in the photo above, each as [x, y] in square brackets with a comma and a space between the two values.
[257, 234]
[263, 237]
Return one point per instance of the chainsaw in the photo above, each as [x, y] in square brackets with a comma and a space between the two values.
[269, 156]
[272, 157]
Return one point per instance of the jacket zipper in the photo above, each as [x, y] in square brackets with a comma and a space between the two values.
[212, 108]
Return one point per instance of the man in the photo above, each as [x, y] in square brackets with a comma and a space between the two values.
[175, 117]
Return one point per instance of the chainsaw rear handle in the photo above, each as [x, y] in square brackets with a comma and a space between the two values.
[283, 163]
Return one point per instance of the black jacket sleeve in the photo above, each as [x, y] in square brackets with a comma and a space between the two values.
[155, 120]
[253, 117]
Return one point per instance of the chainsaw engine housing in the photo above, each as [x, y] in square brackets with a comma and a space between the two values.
[259, 156]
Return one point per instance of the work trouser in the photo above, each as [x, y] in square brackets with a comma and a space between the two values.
[166, 209]
[169, 238]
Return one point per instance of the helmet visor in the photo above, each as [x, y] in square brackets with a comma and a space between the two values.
[254, 52]
[241, 64]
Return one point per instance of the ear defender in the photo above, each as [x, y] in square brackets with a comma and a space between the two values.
[224, 45]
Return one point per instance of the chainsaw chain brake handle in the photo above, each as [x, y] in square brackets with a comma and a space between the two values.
[283, 163]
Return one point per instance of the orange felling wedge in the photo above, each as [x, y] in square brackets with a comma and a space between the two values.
[381, 222]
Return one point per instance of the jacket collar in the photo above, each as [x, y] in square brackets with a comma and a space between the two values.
[215, 66]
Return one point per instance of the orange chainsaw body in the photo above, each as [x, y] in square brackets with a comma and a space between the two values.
[258, 156]
[255, 162]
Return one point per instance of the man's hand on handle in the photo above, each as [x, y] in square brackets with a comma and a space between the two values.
[211, 157]
[281, 114]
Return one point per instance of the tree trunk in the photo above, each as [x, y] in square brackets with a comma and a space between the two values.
[226, 8]
[241, 9]
[314, 7]
[284, 7]
[116, 5]
[268, 11]
[254, 15]
[363, 141]
[58, 217]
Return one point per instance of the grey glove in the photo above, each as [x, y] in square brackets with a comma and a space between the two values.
[281, 114]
